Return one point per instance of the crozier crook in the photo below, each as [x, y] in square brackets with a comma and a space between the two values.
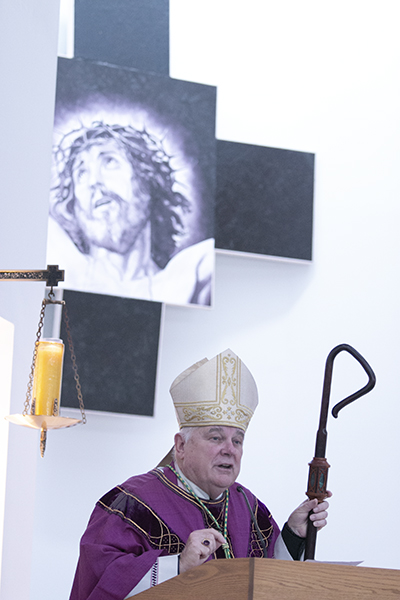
[318, 473]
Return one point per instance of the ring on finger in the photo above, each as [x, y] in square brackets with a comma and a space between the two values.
[206, 542]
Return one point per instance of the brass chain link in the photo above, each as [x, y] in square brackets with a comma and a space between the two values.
[27, 404]
[73, 360]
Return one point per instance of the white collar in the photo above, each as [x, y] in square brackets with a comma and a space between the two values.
[198, 491]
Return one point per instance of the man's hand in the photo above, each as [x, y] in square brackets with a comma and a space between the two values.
[299, 518]
[200, 545]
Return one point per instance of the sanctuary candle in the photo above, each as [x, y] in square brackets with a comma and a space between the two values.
[47, 378]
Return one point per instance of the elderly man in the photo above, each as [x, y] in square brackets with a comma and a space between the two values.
[190, 509]
[116, 199]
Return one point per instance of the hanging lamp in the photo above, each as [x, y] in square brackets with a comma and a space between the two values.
[42, 403]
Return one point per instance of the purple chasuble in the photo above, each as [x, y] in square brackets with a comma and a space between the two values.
[150, 516]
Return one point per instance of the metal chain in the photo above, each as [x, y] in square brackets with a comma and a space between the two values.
[73, 360]
[27, 404]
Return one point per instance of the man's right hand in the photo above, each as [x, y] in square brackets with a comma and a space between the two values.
[200, 545]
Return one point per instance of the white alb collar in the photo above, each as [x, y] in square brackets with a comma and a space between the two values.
[198, 491]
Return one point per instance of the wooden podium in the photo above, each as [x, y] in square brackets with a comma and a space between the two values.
[267, 579]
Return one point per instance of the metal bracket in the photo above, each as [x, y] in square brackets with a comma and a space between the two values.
[51, 276]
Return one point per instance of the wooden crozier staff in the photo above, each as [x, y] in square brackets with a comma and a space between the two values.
[318, 473]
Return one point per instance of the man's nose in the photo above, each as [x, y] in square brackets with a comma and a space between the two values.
[95, 176]
[228, 448]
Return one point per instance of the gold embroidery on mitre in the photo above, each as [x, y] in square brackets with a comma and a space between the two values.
[227, 379]
[226, 408]
[205, 414]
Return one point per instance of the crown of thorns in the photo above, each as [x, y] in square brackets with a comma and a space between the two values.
[142, 146]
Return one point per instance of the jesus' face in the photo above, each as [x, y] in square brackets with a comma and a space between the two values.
[110, 207]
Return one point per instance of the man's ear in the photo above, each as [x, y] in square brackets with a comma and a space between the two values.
[179, 445]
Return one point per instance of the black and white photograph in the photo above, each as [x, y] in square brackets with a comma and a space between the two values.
[133, 184]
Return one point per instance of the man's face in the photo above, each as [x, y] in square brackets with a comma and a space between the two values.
[211, 457]
[110, 208]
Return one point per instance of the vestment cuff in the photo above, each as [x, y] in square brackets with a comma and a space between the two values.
[167, 567]
[293, 542]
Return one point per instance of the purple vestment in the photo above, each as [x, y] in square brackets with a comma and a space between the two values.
[150, 516]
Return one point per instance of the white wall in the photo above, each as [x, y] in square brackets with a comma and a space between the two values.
[308, 76]
[6, 356]
[28, 43]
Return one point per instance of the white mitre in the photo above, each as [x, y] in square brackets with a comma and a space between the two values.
[220, 391]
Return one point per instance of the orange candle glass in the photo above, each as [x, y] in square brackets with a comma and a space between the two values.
[46, 389]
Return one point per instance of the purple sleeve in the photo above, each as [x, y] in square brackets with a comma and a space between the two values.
[114, 557]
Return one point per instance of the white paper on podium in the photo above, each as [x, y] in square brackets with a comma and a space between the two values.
[352, 563]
